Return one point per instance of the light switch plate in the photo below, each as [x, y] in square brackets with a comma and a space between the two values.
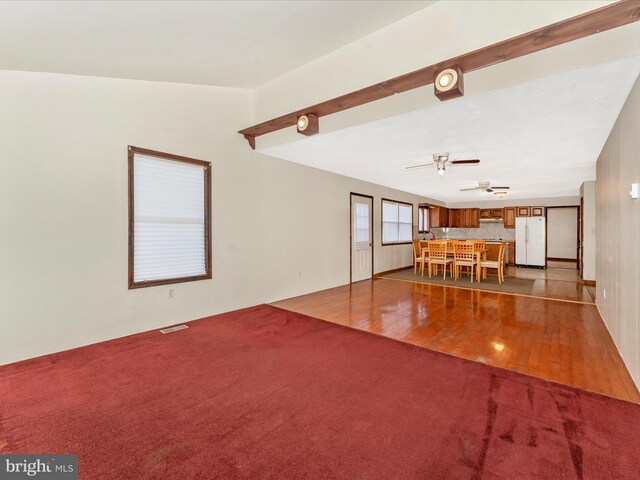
[633, 193]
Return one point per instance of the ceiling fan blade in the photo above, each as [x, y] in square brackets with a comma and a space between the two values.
[464, 162]
[469, 189]
[419, 166]
[489, 189]
[500, 188]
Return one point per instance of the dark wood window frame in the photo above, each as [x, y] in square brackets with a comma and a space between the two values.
[382, 200]
[425, 218]
[207, 216]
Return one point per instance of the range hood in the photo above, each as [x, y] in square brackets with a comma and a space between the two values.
[491, 220]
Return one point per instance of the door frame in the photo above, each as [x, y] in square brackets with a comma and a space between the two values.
[351, 195]
[578, 235]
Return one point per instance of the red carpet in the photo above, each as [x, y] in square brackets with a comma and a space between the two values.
[264, 393]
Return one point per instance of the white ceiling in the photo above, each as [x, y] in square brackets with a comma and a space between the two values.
[226, 43]
[542, 138]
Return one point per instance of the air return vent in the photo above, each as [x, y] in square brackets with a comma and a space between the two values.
[174, 329]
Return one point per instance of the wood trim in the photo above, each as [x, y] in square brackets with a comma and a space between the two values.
[589, 23]
[132, 151]
[382, 200]
[373, 242]
[590, 283]
[394, 270]
[423, 207]
[566, 260]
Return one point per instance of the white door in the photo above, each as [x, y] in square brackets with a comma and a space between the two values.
[361, 238]
[536, 242]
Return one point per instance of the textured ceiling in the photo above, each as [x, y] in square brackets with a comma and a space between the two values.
[226, 43]
[542, 138]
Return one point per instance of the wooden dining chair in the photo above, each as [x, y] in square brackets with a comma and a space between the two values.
[438, 256]
[498, 264]
[464, 256]
[451, 245]
[417, 256]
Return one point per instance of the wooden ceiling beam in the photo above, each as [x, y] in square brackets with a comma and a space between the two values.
[589, 23]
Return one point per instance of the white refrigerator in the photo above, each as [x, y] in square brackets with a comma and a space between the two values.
[531, 242]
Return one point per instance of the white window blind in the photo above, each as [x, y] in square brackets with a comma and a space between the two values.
[169, 219]
[397, 222]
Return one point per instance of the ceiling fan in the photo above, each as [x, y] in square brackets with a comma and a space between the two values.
[441, 160]
[486, 186]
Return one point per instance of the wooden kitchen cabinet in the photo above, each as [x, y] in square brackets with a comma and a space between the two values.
[464, 217]
[438, 217]
[474, 217]
[537, 211]
[496, 213]
[509, 217]
[454, 218]
[523, 212]
[486, 213]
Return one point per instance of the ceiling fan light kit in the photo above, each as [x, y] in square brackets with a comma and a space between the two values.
[308, 124]
[449, 83]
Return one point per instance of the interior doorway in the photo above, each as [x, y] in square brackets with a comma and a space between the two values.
[361, 237]
[563, 235]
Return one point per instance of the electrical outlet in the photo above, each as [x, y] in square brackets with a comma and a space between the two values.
[299, 274]
[171, 293]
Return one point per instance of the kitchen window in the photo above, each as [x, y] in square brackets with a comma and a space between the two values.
[397, 222]
[423, 219]
[169, 218]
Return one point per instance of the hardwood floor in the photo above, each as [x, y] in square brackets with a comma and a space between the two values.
[564, 342]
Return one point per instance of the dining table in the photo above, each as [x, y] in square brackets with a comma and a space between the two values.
[480, 253]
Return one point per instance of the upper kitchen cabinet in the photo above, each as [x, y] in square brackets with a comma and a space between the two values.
[438, 217]
[509, 217]
[474, 217]
[454, 218]
[537, 211]
[497, 213]
[464, 217]
[491, 213]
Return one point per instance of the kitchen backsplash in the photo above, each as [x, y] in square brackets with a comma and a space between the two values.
[487, 231]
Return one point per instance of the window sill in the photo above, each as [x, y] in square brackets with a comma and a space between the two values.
[168, 281]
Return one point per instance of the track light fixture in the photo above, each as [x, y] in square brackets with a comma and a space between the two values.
[449, 83]
[308, 124]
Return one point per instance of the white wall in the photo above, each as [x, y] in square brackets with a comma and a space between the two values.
[562, 233]
[589, 267]
[434, 34]
[63, 210]
[618, 220]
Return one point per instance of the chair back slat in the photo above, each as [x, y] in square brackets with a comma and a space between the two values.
[438, 249]
[464, 251]
[479, 245]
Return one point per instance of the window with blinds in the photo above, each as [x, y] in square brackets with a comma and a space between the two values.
[423, 219]
[397, 222]
[169, 218]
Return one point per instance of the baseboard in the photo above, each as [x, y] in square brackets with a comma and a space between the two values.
[568, 260]
[386, 272]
